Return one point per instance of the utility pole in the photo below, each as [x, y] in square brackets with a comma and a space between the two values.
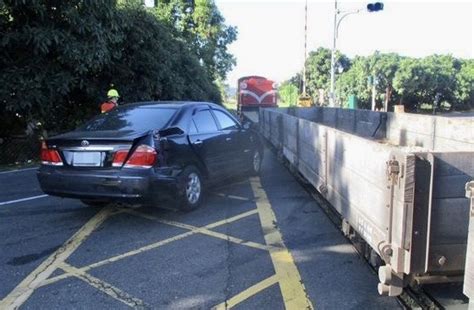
[374, 91]
[333, 57]
[305, 100]
[305, 40]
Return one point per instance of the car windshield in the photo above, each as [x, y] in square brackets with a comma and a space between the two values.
[130, 118]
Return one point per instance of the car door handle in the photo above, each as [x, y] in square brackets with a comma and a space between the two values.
[228, 139]
[197, 142]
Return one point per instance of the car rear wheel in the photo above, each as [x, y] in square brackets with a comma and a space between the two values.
[192, 189]
[256, 163]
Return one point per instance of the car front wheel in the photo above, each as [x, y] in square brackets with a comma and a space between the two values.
[256, 163]
[192, 188]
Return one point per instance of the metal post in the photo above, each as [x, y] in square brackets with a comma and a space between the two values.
[333, 58]
[305, 53]
[374, 92]
[332, 97]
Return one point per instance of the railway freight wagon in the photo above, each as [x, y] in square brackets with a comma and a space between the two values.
[469, 271]
[397, 180]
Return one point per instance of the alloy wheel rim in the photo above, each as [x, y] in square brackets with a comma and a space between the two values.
[256, 161]
[193, 188]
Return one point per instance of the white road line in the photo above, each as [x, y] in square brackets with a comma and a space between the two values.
[22, 199]
[18, 170]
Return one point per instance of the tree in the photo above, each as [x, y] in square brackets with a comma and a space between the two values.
[404, 80]
[464, 89]
[318, 69]
[408, 79]
[288, 93]
[418, 81]
[58, 59]
[381, 67]
[384, 67]
[440, 73]
[155, 65]
[354, 82]
[202, 27]
[50, 51]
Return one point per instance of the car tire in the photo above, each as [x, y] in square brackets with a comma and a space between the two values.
[256, 163]
[191, 192]
[94, 202]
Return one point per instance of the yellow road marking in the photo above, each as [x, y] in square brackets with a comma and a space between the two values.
[121, 256]
[231, 219]
[291, 286]
[233, 184]
[204, 231]
[24, 290]
[105, 287]
[150, 246]
[233, 197]
[251, 291]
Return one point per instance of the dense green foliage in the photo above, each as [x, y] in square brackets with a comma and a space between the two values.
[398, 80]
[318, 65]
[464, 90]
[58, 58]
[201, 25]
[288, 93]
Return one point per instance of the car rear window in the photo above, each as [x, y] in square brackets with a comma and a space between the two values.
[134, 118]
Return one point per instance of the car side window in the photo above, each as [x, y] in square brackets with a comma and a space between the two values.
[225, 120]
[205, 122]
[192, 127]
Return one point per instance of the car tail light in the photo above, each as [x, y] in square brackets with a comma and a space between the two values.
[144, 156]
[50, 156]
[119, 158]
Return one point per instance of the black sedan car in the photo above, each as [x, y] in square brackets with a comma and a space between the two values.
[143, 153]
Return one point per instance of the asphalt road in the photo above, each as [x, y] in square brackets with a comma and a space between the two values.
[259, 243]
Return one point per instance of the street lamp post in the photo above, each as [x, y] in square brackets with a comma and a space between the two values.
[372, 7]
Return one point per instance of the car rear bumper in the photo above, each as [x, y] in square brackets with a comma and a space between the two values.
[143, 186]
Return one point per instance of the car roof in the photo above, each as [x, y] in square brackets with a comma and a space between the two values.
[170, 104]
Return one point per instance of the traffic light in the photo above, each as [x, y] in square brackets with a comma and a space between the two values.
[374, 7]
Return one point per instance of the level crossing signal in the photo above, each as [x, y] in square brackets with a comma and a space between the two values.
[374, 7]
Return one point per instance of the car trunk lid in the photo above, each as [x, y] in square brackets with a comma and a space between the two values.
[82, 149]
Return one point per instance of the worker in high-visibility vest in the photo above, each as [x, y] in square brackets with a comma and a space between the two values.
[111, 102]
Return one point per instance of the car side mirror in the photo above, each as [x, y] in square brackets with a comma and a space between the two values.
[246, 125]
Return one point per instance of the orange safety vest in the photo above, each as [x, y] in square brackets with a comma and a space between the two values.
[107, 106]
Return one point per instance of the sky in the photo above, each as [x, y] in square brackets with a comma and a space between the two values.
[270, 39]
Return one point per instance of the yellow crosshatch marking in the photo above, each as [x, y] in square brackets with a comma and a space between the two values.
[291, 285]
[205, 231]
[24, 290]
[151, 246]
[251, 291]
[105, 287]
[233, 197]
[287, 275]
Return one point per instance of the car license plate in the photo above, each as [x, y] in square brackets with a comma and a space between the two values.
[87, 159]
